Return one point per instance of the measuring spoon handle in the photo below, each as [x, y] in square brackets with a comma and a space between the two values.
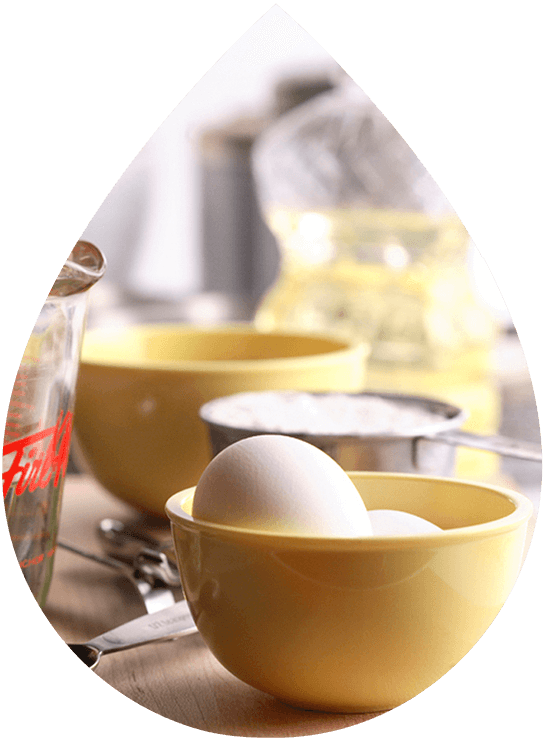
[163, 625]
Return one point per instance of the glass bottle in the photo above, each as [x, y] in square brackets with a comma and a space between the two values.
[371, 248]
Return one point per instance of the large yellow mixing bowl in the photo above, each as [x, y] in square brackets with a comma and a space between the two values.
[354, 625]
[140, 389]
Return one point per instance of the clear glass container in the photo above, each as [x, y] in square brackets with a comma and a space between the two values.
[39, 421]
[371, 248]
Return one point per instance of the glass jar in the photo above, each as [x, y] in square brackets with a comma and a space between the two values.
[371, 248]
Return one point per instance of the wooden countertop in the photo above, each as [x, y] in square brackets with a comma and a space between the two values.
[179, 680]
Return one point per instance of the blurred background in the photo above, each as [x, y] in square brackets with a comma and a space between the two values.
[183, 218]
[192, 231]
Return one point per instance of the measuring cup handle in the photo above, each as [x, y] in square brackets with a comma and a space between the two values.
[506, 446]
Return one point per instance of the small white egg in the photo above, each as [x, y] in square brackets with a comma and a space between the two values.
[393, 522]
[281, 484]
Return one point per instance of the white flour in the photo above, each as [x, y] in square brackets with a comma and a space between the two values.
[293, 412]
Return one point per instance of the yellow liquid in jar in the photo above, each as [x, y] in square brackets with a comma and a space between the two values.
[398, 280]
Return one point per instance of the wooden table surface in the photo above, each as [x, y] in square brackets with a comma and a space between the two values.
[180, 680]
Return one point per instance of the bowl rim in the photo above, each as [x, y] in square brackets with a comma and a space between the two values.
[270, 539]
[341, 348]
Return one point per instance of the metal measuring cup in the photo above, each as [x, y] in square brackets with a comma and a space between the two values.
[426, 450]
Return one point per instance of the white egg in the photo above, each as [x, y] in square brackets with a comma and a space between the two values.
[280, 484]
[393, 522]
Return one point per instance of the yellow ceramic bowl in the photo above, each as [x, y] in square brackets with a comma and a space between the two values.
[140, 389]
[354, 625]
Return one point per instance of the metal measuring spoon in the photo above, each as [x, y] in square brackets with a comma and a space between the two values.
[147, 571]
[166, 625]
[125, 540]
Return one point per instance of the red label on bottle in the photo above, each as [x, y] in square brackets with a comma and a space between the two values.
[42, 464]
